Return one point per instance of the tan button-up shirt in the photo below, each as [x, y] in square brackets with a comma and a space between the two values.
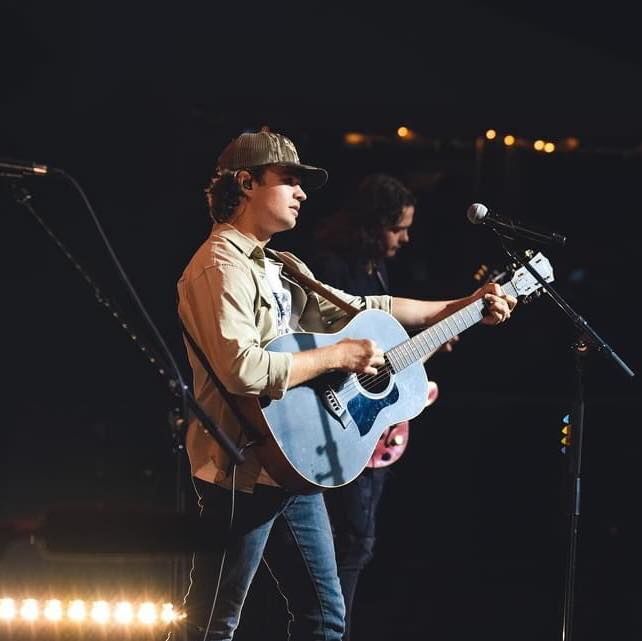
[226, 304]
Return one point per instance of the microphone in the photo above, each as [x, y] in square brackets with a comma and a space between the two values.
[480, 214]
[22, 168]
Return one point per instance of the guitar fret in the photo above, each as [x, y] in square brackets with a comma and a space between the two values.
[406, 354]
[393, 360]
[458, 319]
[439, 327]
[430, 339]
[417, 353]
[426, 343]
[433, 336]
[400, 357]
[479, 306]
[472, 318]
[453, 334]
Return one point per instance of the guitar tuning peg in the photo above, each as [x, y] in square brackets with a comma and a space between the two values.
[529, 297]
[481, 272]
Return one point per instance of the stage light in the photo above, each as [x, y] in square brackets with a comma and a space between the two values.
[29, 610]
[53, 610]
[549, 147]
[100, 612]
[538, 145]
[509, 140]
[354, 138]
[7, 609]
[147, 613]
[167, 614]
[569, 144]
[85, 614]
[406, 134]
[123, 612]
[491, 134]
[77, 611]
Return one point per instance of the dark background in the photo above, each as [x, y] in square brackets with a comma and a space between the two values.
[135, 101]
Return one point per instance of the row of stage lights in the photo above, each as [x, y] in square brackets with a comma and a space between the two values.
[406, 135]
[77, 611]
[545, 146]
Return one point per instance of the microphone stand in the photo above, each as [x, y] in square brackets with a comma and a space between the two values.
[177, 416]
[587, 340]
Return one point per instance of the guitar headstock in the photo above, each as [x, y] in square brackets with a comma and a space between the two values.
[516, 279]
[525, 284]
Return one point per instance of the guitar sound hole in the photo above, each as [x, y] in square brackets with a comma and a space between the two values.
[375, 384]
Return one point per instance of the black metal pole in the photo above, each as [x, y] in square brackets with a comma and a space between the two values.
[574, 452]
[587, 342]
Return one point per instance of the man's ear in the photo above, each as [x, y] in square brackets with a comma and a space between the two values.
[244, 179]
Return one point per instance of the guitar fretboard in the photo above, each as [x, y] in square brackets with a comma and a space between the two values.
[431, 339]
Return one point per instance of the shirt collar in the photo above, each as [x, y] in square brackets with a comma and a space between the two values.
[247, 245]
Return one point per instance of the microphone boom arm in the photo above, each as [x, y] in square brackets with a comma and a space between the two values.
[525, 232]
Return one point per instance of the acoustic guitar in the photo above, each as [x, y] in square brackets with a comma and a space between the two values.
[322, 433]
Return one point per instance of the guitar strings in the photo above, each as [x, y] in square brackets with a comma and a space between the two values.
[433, 341]
[366, 380]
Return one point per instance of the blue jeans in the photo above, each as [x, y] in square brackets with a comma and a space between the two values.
[292, 534]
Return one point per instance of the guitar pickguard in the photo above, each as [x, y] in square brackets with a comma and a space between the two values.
[343, 396]
[364, 410]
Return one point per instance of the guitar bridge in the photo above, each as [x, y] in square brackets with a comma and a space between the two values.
[332, 402]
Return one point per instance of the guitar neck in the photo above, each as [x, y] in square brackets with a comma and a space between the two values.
[422, 345]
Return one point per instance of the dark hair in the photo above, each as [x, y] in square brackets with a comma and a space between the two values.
[358, 226]
[224, 194]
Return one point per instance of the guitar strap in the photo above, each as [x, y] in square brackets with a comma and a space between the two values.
[252, 433]
[293, 270]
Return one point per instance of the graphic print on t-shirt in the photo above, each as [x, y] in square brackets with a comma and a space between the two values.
[282, 297]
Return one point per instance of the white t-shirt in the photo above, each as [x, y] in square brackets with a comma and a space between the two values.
[285, 320]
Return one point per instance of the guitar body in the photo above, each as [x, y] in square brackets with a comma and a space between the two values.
[325, 431]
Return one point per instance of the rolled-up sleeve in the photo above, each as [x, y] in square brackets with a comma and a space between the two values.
[218, 308]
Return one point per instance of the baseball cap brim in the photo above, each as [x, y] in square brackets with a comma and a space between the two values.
[311, 177]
